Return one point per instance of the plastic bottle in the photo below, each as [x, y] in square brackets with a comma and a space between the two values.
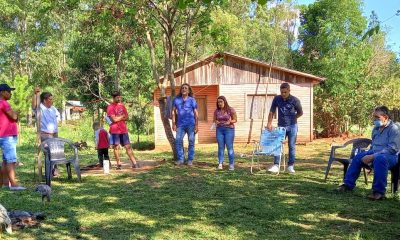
[106, 166]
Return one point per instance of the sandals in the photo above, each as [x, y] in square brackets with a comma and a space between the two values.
[119, 166]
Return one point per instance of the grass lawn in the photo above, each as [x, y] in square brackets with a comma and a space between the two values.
[171, 202]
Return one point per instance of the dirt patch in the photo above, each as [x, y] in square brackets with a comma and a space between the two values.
[126, 167]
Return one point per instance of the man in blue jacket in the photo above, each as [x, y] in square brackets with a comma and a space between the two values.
[381, 157]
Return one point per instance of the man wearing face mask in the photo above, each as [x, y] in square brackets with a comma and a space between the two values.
[381, 157]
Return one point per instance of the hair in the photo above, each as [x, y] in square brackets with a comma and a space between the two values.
[285, 86]
[226, 105]
[384, 110]
[190, 90]
[44, 96]
[115, 94]
[96, 125]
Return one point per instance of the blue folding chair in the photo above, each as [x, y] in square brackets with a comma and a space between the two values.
[270, 144]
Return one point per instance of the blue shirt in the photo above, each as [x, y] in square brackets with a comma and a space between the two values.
[185, 111]
[48, 119]
[387, 141]
[287, 110]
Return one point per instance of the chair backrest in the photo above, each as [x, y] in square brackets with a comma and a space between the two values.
[271, 141]
[55, 148]
[359, 144]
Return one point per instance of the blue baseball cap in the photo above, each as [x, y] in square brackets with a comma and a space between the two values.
[5, 87]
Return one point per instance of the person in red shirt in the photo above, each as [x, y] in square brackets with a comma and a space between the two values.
[118, 114]
[102, 142]
[8, 139]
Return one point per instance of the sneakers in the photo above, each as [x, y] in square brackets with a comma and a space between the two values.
[231, 167]
[17, 188]
[274, 168]
[219, 166]
[290, 169]
[190, 164]
[178, 163]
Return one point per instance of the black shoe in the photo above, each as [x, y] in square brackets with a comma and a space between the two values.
[343, 188]
[375, 196]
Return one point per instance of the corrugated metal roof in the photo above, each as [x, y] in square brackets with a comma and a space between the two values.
[263, 64]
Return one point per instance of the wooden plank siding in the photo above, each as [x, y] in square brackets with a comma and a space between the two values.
[237, 78]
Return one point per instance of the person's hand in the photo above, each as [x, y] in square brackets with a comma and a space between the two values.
[173, 127]
[196, 129]
[368, 159]
[269, 127]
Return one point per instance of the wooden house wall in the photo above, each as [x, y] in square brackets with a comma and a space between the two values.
[235, 79]
[237, 98]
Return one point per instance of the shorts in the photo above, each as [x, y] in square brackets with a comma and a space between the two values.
[8, 146]
[120, 139]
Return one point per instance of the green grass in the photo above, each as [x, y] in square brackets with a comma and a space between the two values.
[168, 202]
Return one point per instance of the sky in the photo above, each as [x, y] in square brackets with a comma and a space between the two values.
[386, 11]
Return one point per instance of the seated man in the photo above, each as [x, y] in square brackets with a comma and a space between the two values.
[381, 157]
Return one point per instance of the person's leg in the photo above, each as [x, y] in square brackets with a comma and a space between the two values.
[354, 170]
[116, 141]
[229, 138]
[381, 164]
[291, 132]
[4, 176]
[191, 139]
[127, 145]
[100, 156]
[221, 144]
[180, 133]
[10, 157]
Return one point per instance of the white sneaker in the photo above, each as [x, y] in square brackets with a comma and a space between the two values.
[290, 169]
[231, 167]
[274, 168]
[219, 166]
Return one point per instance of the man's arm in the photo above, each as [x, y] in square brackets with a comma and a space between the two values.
[174, 118]
[299, 109]
[196, 120]
[12, 114]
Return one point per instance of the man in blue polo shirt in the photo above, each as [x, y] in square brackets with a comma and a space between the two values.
[185, 121]
[381, 157]
[289, 109]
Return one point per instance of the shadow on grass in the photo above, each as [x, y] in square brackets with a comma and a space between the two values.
[202, 203]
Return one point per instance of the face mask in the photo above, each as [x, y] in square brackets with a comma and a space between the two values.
[378, 123]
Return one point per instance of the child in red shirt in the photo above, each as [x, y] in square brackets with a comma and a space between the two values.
[102, 142]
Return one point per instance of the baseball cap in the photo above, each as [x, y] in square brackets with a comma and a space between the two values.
[5, 87]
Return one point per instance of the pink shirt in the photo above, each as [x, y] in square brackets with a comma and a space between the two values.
[117, 109]
[223, 117]
[8, 126]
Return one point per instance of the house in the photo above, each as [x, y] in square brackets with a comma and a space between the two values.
[244, 82]
[73, 110]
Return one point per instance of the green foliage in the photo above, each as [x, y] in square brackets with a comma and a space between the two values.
[20, 100]
[336, 44]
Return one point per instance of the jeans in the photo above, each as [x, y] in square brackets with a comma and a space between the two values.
[291, 134]
[225, 136]
[8, 146]
[180, 133]
[381, 165]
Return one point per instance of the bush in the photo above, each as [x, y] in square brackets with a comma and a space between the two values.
[146, 145]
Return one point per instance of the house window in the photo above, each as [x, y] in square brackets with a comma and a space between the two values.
[202, 107]
[255, 105]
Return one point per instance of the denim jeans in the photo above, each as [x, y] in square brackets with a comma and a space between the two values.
[180, 133]
[291, 134]
[225, 137]
[381, 164]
